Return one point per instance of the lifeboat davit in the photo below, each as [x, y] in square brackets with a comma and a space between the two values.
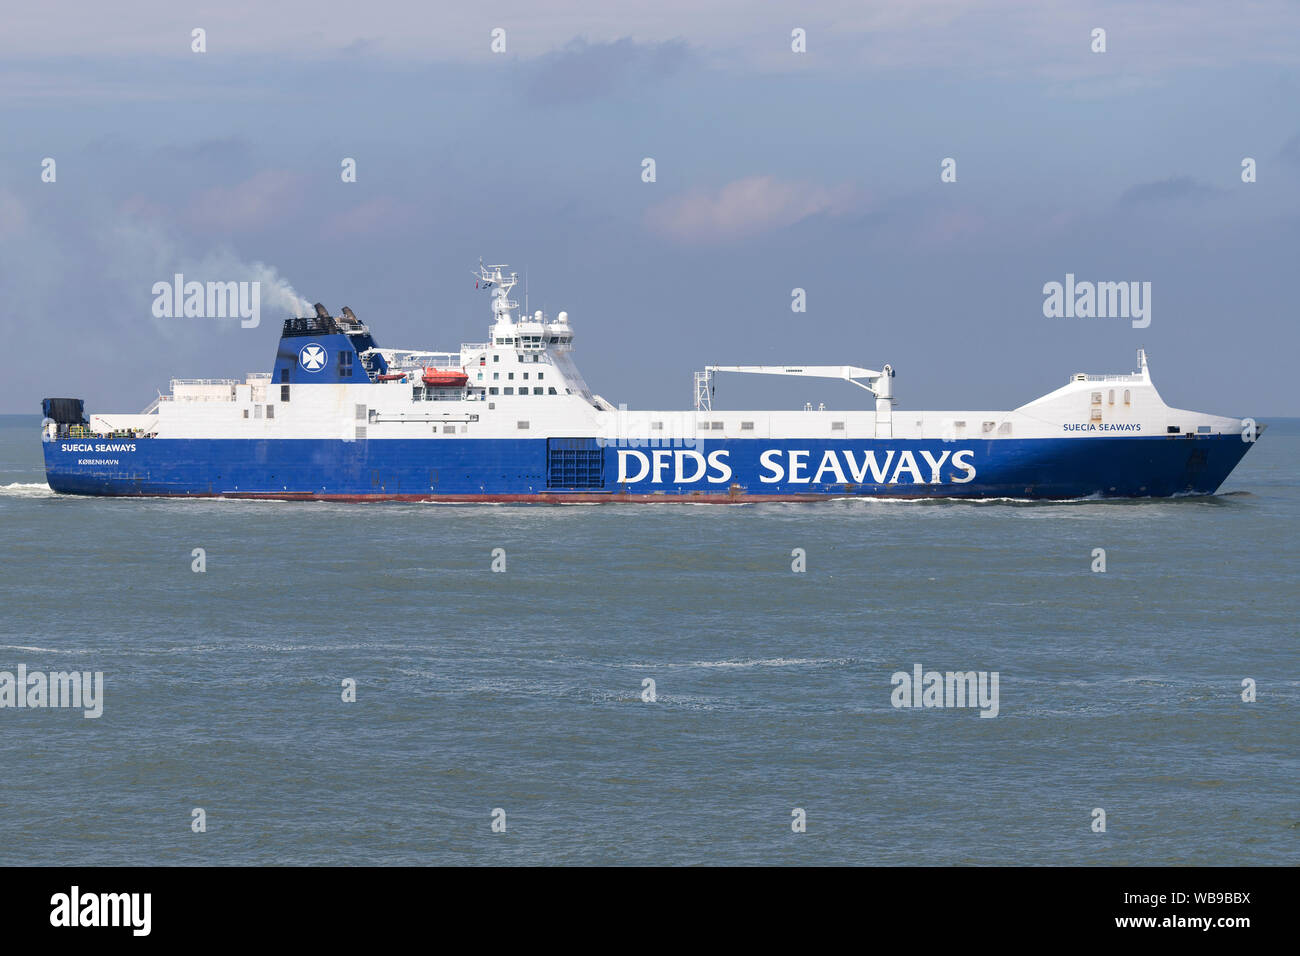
[445, 377]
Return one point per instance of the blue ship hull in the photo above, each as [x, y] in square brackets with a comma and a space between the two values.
[582, 469]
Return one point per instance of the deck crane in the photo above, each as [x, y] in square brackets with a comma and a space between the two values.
[879, 384]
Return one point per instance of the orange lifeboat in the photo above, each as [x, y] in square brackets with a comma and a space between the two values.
[444, 377]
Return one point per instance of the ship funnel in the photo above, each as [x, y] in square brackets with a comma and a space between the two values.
[350, 316]
[321, 311]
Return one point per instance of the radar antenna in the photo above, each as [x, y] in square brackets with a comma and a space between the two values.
[500, 283]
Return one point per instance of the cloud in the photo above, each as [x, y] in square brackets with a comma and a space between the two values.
[744, 208]
[581, 71]
[951, 225]
[374, 217]
[89, 52]
[223, 152]
[995, 35]
[1166, 190]
[258, 201]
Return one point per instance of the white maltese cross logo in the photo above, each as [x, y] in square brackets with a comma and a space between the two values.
[312, 358]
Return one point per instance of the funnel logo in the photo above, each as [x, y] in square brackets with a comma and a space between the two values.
[312, 358]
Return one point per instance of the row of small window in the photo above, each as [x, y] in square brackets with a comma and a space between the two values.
[509, 390]
[510, 376]
[536, 340]
[520, 356]
[718, 426]
[1096, 397]
[744, 426]
[257, 411]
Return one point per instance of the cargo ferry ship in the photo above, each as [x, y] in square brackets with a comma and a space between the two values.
[341, 418]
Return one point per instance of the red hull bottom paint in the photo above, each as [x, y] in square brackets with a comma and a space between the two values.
[579, 498]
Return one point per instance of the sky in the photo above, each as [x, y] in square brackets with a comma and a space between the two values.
[775, 170]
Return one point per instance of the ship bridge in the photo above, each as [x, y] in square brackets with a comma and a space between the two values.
[526, 355]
